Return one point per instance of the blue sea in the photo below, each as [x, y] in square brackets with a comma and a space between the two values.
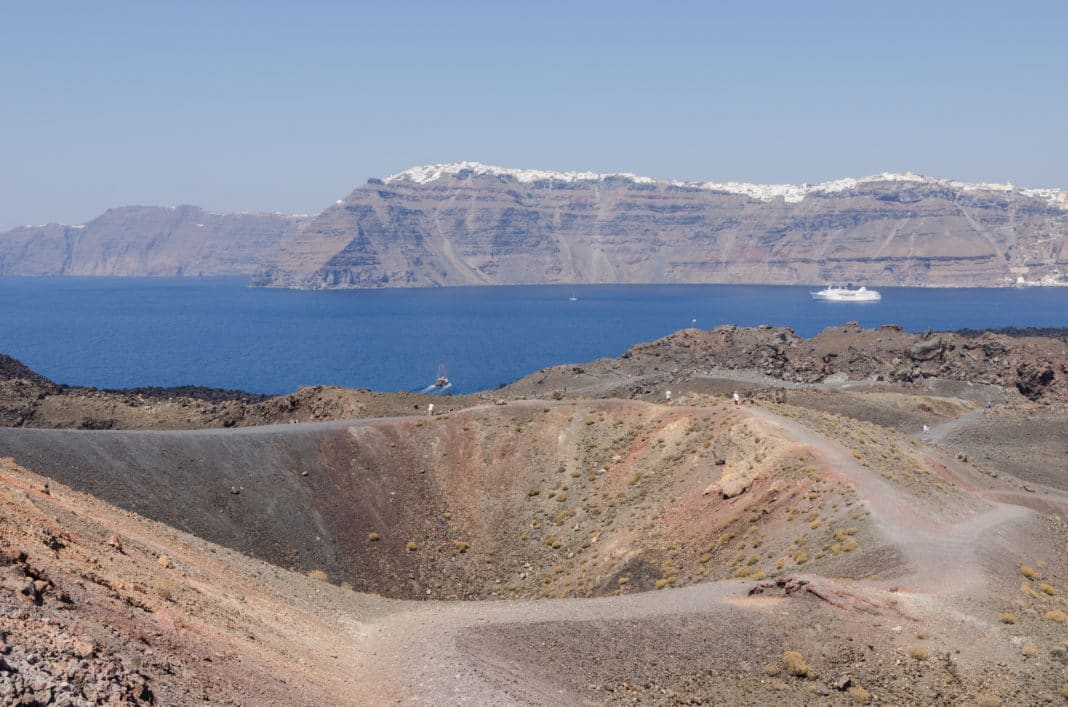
[121, 332]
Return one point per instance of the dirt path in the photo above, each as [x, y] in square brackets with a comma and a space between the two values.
[417, 653]
[943, 555]
[938, 433]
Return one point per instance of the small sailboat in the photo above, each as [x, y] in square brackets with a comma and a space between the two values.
[572, 298]
[443, 380]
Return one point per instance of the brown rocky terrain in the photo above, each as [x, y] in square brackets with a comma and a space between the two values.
[468, 224]
[98, 606]
[894, 570]
[28, 399]
[1030, 365]
[148, 241]
[570, 540]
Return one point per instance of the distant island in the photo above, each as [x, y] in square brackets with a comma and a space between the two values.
[471, 224]
[148, 241]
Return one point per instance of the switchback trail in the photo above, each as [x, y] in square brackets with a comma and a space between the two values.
[943, 555]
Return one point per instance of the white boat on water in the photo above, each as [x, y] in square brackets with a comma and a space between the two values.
[443, 380]
[846, 294]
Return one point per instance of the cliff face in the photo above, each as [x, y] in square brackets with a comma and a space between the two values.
[469, 224]
[148, 241]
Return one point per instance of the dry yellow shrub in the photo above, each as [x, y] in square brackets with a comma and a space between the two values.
[795, 664]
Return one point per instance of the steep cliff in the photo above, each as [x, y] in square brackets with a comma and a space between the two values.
[467, 224]
[148, 241]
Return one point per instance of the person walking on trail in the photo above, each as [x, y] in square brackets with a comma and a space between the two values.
[430, 409]
[737, 398]
[667, 394]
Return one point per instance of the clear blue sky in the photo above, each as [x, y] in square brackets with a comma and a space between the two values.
[289, 106]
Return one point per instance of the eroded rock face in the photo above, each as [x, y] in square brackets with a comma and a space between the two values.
[469, 227]
[147, 241]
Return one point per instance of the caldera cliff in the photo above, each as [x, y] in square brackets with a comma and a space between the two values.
[470, 224]
[148, 241]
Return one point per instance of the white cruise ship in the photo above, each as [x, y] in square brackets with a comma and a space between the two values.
[846, 294]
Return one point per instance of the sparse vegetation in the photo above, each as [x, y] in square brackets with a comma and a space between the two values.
[165, 590]
[918, 652]
[1029, 650]
[795, 664]
[1058, 616]
[319, 575]
[860, 695]
[1007, 617]
[1047, 589]
[410, 546]
[1028, 572]
[374, 537]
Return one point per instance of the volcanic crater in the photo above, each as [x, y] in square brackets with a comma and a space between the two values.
[525, 499]
[807, 545]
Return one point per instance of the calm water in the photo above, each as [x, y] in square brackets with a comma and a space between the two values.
[217, 332]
